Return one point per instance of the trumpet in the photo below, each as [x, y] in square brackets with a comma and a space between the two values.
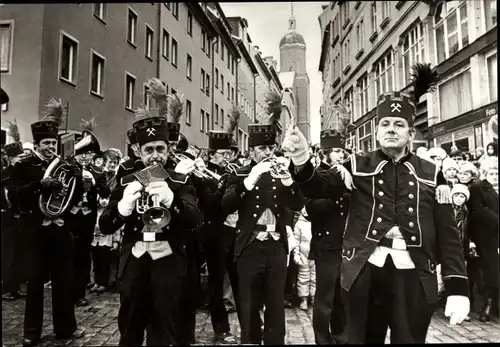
[279, 167]
[205, 173]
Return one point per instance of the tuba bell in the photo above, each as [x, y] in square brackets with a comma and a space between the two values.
[57, 203]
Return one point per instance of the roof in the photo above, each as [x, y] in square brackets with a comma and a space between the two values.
[287, 79]
[292, 37]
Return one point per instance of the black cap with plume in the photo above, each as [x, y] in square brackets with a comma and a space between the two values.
[48, 127]
[266, 134]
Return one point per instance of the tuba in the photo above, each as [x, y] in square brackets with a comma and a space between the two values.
[58, 202]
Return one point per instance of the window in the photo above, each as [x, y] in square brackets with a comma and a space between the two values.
[149, 42]
[222, 83]
[216, 78]
[345, 11]
[351, 140]
[228, 60]
[216, 46]
[360, 36]
[228, 90]
[335, 26]
[365, 137]
[222, 117]
[5, 46]
[347, 55]
[455, 95]
[386, 9]
[190, 24]
[209, 47]
[232, 94]
[336, 67]
[222, 50]
[491, 63]
[132, 26]
[207, 87]
[175, 9]
[167, 5]
[490, 13]
[69, 54]
[216, 116]
[188, 112]
[146, 97]
[203, 40]
[384, 74]
[189, 67]
[174, 52]
[100, 10]
[413, 50]
[374, 17]
[129, 92]
[451, 31]
[202, 121]
[348, 101]
[97, 74]
[165, 51]
[207, 120]
[232, 65]
[363, 95]
[202, 80]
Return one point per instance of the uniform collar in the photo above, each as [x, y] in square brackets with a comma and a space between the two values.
[383, 155]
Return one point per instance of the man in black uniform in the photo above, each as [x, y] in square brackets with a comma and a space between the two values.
[50, 243]
[261, 245]
[153, 264]
[328, 218]
[401, 226]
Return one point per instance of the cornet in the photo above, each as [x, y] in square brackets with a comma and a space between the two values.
[279, 167]
[205, 173]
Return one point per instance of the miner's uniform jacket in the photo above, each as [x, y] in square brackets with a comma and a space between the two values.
[269, 193]
[388, 194]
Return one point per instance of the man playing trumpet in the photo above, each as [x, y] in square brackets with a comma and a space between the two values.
[152, 266]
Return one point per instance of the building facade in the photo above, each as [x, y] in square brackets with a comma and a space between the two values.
[369, 47]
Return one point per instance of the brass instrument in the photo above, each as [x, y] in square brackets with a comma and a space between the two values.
[279, 167]
[205, 173]
[58, 202]
[154, 216]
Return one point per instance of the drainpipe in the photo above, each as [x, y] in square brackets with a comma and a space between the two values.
[237, 96]
[158, 50]
[255, 98]
[212, 81]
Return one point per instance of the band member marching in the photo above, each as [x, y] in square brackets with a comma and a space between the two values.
[50, 244]
[261, 245]
[153, 261]
[400, 206]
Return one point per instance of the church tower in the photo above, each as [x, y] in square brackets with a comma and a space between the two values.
[293, 59]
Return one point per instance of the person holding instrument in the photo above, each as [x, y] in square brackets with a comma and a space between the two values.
[152, 270]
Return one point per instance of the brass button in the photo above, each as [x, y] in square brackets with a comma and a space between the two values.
[319, 234]
[381, 193]
[374, 232]
[341, 206]
[414, 238]
[341, 199]
[380, 206]
[411, 196]
[257, 197]
[411, 224]
[257, 206]
[381, 181]
[337, 202]
[379, 219]
[255, 215]
[411, 183]
[273, 180]
[410, 209]
[274, 197]
[257, 188]
[274, 188]
[341, 213]
[135, 229]
[328, 233]
[276, 206]
[348, 252]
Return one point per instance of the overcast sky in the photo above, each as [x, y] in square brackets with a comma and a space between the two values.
[268, 22]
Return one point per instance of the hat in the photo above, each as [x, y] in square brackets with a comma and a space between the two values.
[331, 139]
[487, 164]
[334, 135]
[183, 143]
[449, 163]
[151, 129]
[48, 127]
[15, 148]
[131, 136]
[219, 140]
[398, 104]
[459, 188]
[437, 152]
[234, 116]
[467, 166]
[4, 137]
[4, 97]
[266, 134]
[456, 153]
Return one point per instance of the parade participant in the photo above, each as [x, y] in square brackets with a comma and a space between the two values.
[11, 241]
[328, 217]
[153, 262]
[401, 208]
[50, 243]
[261, 245]
[450, 169]
[437, 154]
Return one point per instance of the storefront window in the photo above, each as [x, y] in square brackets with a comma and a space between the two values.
[455, 96]
[365, 137]
[478, 134]
[491, 63]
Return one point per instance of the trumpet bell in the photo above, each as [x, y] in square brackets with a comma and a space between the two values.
[156, 218]
[88, 143]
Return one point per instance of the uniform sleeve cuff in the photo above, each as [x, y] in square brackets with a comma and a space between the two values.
[302, 174]
[456, 286]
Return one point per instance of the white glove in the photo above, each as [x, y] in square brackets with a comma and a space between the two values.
[472, 244]
[287, 182]
[457, 308]
[163, 191]
[297, 259]
[88, 175]
[257, 171]
[292, 243]
[200, 164]
[295, 144]
[185, 166]
[130, 195]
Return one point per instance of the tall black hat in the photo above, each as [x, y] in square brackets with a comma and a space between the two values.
[131, 136]
[48, 127]
[148, 128]
[219, 139]
[266, 134]
[335, 137]
[398, 104]
[4, 97]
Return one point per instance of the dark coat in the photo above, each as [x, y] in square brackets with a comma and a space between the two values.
[483, 229]
[387, 194]
[267, 193]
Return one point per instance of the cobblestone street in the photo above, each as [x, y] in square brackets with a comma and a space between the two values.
[99, 321]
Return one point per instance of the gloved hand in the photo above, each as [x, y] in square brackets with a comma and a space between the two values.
[297, 259]
[295, 144]
[185, 166]
[457, 308]
[115, 246]
[255, 173]
[200, 164]
[130, 195]
[88, 175]
[76, 171]
[163, 191]
[292, 242]
[50, 184]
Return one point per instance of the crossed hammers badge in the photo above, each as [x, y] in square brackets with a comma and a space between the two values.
[151, 131]
[396, 107]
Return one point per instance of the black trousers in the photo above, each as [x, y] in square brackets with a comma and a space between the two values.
[387, 297]
[261, 280]
[12, 262]
[291, 282]
[328, 312]
[50, 251]
[101, 258]
[219, 253]
[150, 294]
[83, 231]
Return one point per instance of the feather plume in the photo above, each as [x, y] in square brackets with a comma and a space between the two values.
[234, 118]
[55, 111]
[88, 124]
[423, 79]
[273, 101]
[158, 92]
[142, 112]
[175, 107]
[14, 131]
